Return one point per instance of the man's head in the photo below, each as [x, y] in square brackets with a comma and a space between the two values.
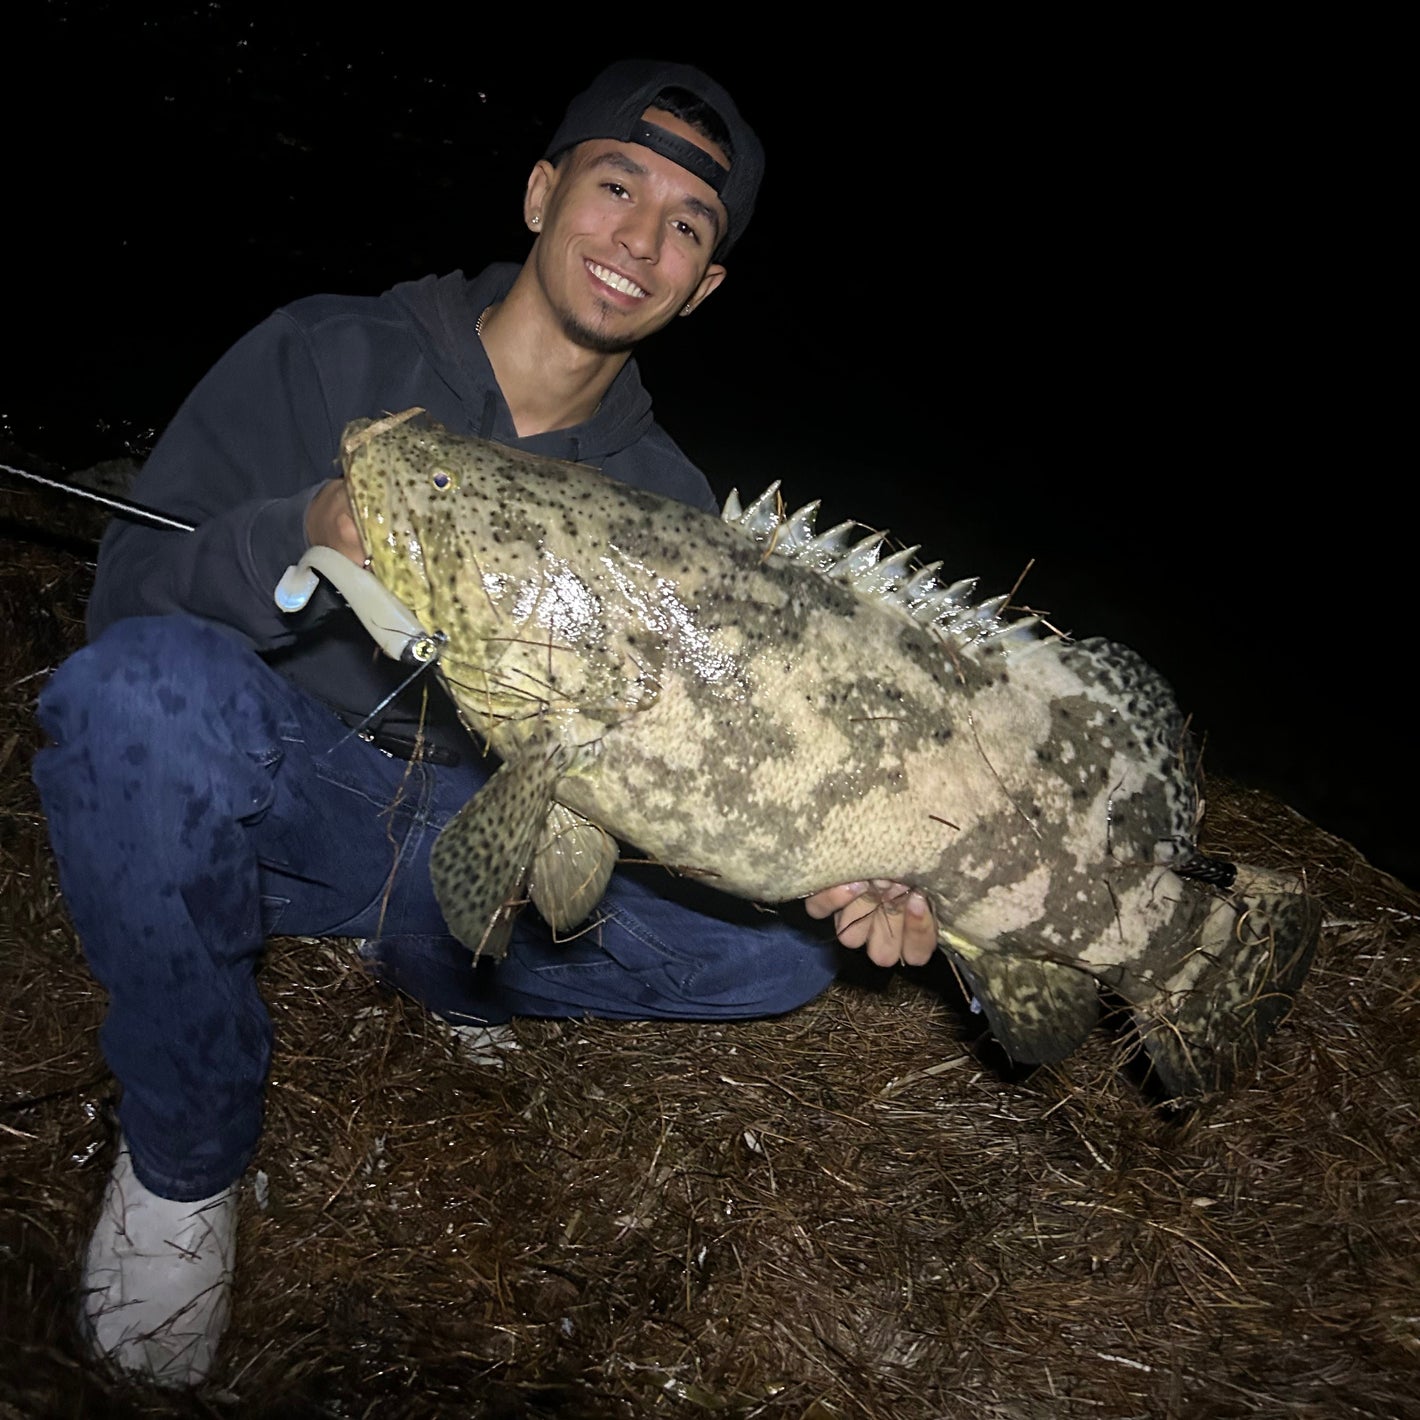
[649, 180]
[615, 105]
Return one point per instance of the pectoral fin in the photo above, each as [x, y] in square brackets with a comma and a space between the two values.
[480, 861]
[571, 868]
[1040, 1011]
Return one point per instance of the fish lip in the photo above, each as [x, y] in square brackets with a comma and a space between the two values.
[593, 265]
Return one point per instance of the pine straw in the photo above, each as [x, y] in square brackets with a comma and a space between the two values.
[854, 1211]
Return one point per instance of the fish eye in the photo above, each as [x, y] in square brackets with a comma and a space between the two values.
[442, 479]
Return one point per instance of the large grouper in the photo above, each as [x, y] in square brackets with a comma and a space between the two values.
[776, 711]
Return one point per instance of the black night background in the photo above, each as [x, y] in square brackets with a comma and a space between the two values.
[1072, 297]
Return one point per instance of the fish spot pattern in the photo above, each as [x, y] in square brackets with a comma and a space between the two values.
[784, 710]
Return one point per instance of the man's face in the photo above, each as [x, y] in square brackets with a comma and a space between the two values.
[626, 237]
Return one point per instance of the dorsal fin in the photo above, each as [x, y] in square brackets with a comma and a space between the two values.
[851, 552]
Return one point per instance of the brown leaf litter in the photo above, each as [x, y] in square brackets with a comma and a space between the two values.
[858, 1210]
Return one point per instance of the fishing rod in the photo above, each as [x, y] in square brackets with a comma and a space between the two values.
[395, 628]
[128, 506]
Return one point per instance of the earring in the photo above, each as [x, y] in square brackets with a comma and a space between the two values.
[686, 309]
[534, 220]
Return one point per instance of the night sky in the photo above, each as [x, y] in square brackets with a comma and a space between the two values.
[1067, 296]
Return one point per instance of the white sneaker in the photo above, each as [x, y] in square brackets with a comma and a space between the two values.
[158, 1279]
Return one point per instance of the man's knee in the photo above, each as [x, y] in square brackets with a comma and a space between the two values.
[158, 669]
[700, 955]
[159, 715]
[649, 958]
[782, 968]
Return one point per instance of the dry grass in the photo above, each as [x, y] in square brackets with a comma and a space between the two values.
[850, 1212]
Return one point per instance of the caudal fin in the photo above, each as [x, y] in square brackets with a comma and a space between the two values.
[1220, 1001]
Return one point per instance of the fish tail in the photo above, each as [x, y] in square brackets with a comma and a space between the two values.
[1219, 1000]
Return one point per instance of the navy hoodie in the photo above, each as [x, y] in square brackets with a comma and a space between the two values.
[246, 452]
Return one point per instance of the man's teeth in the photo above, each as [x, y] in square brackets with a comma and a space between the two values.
[615, 281]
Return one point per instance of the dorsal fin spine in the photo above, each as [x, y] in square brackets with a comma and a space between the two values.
[893, 580]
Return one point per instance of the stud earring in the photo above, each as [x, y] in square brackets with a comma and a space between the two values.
[686, 309]
[535, 220]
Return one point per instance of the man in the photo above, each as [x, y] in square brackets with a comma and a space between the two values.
[222, 772]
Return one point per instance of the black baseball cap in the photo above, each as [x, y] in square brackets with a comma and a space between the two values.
[611, 107]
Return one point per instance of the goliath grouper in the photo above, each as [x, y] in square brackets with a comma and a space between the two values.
[777, 711]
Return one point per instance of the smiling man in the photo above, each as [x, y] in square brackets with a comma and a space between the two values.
[627, 235]
[205, 789]
[627, 238]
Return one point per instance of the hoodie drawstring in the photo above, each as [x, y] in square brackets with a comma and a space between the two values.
[489, 415]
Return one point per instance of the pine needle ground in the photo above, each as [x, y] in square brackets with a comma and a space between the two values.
[858, 1210]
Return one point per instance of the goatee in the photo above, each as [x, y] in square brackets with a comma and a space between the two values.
[589, 338]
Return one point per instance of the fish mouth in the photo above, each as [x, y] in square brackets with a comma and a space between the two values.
[623, 285]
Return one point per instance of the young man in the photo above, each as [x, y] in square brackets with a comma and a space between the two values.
[204, 789]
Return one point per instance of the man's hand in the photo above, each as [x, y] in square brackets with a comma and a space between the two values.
[330, 521]
[893, 922]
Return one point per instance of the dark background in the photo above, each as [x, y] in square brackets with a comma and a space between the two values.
[1101, 299]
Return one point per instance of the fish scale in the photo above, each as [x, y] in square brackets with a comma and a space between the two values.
[778, 711]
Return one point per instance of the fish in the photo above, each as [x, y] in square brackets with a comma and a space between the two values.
[776, 710]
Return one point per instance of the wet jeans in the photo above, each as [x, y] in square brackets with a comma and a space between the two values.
[198, 803]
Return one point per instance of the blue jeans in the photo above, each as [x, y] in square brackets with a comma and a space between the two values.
[198, 802]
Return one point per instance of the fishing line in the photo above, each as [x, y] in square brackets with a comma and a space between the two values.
[128, 506]
[395, 693]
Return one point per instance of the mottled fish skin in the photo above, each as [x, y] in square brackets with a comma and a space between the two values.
[738, 714]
